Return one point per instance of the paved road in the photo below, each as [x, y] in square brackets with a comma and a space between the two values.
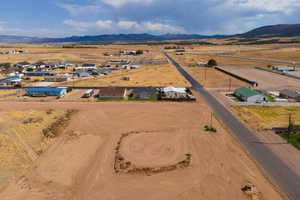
[261, 59]
[280, 173]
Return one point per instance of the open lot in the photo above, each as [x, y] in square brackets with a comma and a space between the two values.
[22, 139]
[146, 75]
[267, 117]
[80, 165]
[266, 80]
[89, 53]
[212, 78]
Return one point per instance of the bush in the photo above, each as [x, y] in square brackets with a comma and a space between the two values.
[210, 129]
[212, 63]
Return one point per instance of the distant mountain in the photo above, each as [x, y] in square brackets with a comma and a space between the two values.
[16, 39]
[104, 38]
[280, 30]
[125, 38]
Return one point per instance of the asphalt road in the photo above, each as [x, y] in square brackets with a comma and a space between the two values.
[280, 173]
[262, 59]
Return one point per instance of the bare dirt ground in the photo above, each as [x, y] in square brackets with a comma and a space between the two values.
[80, 164]
[266, 80]
[212, 78]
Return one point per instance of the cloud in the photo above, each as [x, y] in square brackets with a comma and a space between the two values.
[173, 16]
[76, 10]
[120, 3]
[108, 27]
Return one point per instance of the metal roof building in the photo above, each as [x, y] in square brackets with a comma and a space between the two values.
[250, 96]
[46, 91]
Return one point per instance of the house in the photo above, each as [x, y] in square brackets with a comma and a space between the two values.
[250, 96]
[13, 81]
[39, 73]
[39, 64]
[175, 94]
[24, 65]
[112, 93]
[284, 68]
[87, 67]
[46, 91]
[144, 93]
[290, 94]
[82, 74]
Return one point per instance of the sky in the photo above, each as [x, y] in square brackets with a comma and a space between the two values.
[60, 18]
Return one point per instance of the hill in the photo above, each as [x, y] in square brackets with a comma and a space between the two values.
[280, 30]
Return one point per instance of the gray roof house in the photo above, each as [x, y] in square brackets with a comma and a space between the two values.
[290, 94]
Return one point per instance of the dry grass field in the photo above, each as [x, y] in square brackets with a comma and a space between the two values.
[146, 75]
[77, 55]
[264, 118]
[22, 139]
[80, 164]
[6, 95]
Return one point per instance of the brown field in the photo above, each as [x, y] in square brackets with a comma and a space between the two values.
[266, 80]
[80, 164]
[265, 118]
[146, 75]
[289, 52]
[78, 55]
[212, 78]
[22, 139]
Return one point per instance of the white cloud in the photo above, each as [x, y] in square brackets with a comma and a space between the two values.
[285, 6]
[107, 26]
[76, 10]
[120, 3]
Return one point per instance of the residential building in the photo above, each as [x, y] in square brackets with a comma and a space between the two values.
[250, 96]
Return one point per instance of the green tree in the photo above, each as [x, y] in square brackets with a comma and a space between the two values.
[212, 63]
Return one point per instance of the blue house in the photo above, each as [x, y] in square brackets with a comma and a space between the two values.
[46, 91]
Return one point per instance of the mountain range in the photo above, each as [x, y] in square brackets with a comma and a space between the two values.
[281, 30]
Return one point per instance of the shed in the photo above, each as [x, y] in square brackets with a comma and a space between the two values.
[112, 92]
[250, 96]
[46, 91]
[290, 94]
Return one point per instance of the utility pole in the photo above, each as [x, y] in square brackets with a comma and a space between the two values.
[211, 119]
[229, 86]
[290, 127]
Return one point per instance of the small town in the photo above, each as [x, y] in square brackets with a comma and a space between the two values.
[149, 100]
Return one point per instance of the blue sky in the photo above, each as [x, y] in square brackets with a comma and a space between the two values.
[56, 18]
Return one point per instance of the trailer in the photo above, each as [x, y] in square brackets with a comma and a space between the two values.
[88, 93]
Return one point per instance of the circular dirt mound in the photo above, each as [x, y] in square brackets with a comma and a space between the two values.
[153, 149]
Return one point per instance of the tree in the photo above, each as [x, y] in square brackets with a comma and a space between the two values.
[212, 63]
[138, 52]
[6, 65]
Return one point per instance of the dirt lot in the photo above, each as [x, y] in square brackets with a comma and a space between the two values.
[212, 78]
[80, 165]
[266, 80]
[146, 75]
[22, 139]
